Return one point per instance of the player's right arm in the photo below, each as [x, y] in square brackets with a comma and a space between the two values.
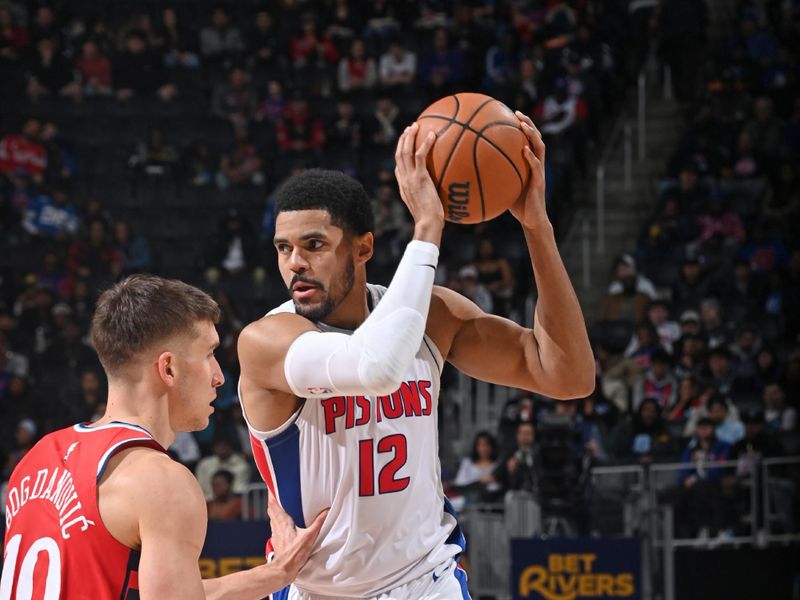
[156, 504]
[284, 357]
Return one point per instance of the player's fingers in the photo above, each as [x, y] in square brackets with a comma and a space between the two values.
[313, 529]
[524, 118]
[276, 513]
[398, 153]
[532, 159]
[408, 146]
[421, 155]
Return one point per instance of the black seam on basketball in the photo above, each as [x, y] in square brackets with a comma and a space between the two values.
[464, 127]
[478, 176]
[479, 135]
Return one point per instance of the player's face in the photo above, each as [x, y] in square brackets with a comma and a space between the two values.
[316, 261]
[199, 375]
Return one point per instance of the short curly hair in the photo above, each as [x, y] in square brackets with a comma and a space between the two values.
[320, 189]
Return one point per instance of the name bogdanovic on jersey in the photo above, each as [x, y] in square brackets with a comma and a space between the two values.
[374, 460]
[56, 544]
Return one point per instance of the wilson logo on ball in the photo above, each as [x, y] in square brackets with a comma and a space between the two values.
[457, 201]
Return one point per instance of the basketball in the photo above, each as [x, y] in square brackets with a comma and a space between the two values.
[476, 162]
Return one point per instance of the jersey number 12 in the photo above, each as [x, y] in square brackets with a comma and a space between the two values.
[387, 480]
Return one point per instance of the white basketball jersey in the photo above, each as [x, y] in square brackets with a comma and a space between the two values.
[374, 460]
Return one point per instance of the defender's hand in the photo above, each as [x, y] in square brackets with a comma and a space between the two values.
[416, 186]
[530, 210]
[292, 544]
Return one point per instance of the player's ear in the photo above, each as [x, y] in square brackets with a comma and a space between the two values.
[363, 246]
[166, 368]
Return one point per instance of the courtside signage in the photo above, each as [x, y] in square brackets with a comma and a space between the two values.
[576, 569]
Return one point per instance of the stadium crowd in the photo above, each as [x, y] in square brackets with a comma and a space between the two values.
[140, 139]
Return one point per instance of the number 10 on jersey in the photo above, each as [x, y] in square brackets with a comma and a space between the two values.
[387, 480]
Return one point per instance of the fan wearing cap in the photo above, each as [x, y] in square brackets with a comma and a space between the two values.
[24, 439]
[469, 286]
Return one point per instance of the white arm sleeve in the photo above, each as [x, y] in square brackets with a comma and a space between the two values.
[375, 357]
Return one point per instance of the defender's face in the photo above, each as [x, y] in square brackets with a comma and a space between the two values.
[199, 376]
[315, 259]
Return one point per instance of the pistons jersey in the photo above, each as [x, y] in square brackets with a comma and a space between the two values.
[56, 545]
[374, 460]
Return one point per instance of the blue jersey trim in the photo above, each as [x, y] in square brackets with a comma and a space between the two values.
[461, 576]
[457, 535]
[281, 594]
[284, 452]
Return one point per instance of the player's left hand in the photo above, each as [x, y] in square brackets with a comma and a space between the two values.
[530, 210]
[292, 544]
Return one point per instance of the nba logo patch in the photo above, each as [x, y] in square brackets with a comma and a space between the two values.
[319, 390]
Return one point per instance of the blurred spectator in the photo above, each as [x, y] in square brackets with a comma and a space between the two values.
[626, 276]
[691, 398]
[138, 71]
[765, 252]
[644, 344]
[221, 41]
[384, 125]
[719, 370]
[518, 471]
[765, 131]
[691, 286]
[442, 67]
[398, 66]
[51, 216]
[54, 277]
[469, 285]
[45, 25]
[727, 426]
[617, 375]
[272, 106]
[561, 117]
[133, 249]
[313, 55]
[663, 235]
[224, 505]
[722, 223]
[236, 251]
[698, 498]
[716, 330]
[778, 416]
[235, 100]
[264, 46]
[50, 74]
[495, 274]
[177, 43]
[199, 164]
[95, 70]
[589, 438]
[344, 135]
[743, 292]
[95, 258]
[241, 165]
[644, 438]
[658, 383]
[668, 331]
[155, 156]
[357, 71]
[518, 409]
[61, 162]
[185, 449]
[344, 22]
[475, 477]
[14, 39]
[223, 457]
[22, 155]
[299, 132]
[24, 439]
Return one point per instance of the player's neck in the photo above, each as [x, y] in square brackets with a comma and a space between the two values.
[352, 311]
[133, 404]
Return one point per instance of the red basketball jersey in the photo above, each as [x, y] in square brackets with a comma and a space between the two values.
[56, 544]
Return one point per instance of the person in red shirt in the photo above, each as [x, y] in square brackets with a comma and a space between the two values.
[99, 510]
[22, 155]
[95, 70]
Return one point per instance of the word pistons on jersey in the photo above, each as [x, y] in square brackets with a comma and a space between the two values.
[412, 399]
[55, 486]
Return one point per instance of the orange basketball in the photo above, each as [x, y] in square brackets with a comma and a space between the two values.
[476, 161]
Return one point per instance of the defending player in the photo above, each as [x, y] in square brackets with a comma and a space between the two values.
[100, 510]
[340, 385]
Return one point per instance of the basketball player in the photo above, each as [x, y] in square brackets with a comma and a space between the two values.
[340, 384]
[100, 510]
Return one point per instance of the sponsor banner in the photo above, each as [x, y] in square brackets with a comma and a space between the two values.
[233, 546]
[576, 569]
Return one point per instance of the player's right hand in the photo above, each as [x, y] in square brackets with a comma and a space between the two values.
[416, 186]
[292, 544]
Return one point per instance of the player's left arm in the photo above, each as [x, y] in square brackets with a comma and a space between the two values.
[554, 356]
